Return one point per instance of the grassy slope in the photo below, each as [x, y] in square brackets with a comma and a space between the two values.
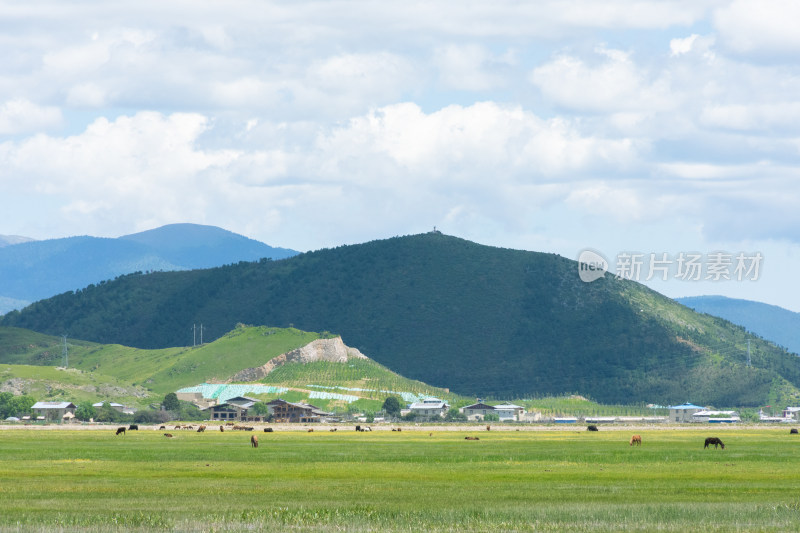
[166, 370]
[716, 365]
[384, 481]
[46, 383]
[169, 369]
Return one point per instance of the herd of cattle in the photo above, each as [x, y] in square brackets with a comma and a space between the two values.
[635, 439]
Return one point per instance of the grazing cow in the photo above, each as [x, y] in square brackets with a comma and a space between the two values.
[472, 438]
[133, 427]
[162, 427]
[311, 430]
[591, 428]
[201, 429]
[267, 430]
[637, 440]
[488, 428]
[168, 435]
[222, 429]
[254, 441]
[332, 430]
[793, 431]
[120, 430]
[715, 441]
[358, 428]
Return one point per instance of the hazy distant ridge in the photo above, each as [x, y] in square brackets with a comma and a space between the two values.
[33, 270]
[774, 323]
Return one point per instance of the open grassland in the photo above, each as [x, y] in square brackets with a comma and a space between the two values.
[409, 481]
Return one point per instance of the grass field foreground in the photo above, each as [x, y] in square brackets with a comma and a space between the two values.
[410, 481]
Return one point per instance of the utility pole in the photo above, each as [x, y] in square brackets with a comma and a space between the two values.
[201, 334]
[65, 352]
[748, 352]
[194, 335]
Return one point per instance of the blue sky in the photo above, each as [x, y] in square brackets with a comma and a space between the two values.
[645, 126]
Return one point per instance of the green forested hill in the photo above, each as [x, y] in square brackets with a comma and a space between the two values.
[477, 319]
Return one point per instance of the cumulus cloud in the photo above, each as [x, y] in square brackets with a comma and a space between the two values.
[614, 83]
[20, 116]
[338, 121]
[763, 28]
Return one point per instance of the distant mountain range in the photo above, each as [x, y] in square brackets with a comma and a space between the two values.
[769, 321]
[7, 240]
[32, 270]
[479, 320]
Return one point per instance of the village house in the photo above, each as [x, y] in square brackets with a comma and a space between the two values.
[792, 412]
[235, 409]
[477, 411]
[683, 413]
[54, 411]
[429, 408]
[716, 417]
[508, 412]
[283, 411]
[116, 406]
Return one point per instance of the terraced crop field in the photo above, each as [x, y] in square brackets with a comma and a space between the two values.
[553, 480]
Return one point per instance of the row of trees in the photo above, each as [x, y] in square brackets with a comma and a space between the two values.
[11, 405]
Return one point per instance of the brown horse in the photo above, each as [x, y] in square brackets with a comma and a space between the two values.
[715, 441]
[254, 441]
[637, 440]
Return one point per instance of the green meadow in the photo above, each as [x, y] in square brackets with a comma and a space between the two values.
[92, 480]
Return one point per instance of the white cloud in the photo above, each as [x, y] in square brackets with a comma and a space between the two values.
[468, 143]
[471, 67]
[21, 116]
[615, 83]
[754, 117]
[682, 46]
[762, 27]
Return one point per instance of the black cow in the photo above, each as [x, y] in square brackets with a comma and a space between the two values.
[120, 430]
[793, 431]
[715, 441]
[133, 427]
[592, 428]
[267, 430]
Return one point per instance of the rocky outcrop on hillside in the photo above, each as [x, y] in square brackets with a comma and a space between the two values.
[331, 350]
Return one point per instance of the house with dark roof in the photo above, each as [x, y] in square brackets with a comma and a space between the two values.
[235, 409]
[477, 411]
[283, 411]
